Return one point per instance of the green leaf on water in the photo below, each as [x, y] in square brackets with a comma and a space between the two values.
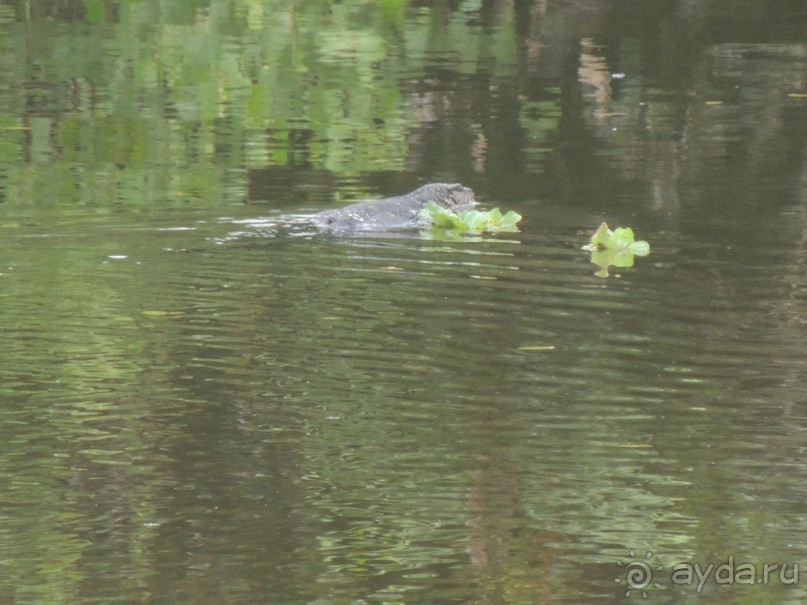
[441, 217]
[508, 221]
[600, 239]
[622, 238]
[641, 248]
[615, 248]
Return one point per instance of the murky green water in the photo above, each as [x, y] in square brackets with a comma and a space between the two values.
[204, 400]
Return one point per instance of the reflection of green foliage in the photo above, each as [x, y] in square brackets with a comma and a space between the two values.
[470, 221]
[539, 119]
[615, 248]
[150, 88]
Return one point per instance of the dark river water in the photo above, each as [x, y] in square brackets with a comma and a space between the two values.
[203, 399]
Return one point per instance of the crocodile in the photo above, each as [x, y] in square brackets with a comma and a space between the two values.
[400, 212]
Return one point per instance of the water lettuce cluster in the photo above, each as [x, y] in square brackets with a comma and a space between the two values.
[615, 248]
[470, 221]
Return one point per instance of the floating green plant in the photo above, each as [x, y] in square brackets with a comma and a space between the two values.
[470, 221]
[615, 248]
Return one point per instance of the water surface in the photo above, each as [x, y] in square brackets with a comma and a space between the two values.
[205, 400]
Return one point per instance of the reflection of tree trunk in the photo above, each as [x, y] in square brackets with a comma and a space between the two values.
[594, 75]
[479, 149]
[491, 502]
[514, 558]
